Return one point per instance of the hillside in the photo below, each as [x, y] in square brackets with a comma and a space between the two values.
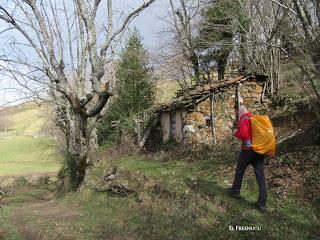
[175, 195]
[166, 89]
[27, 145]
[27, 119]
[169, 198]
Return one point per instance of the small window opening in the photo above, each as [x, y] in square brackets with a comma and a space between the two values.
[208, 122]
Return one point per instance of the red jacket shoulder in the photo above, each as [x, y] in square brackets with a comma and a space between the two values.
[244, 128]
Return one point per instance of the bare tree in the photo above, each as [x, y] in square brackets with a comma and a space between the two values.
[277, 28]
[63, 47]
[260, 41]
[305, 16]
[180, 50]
[300, 36]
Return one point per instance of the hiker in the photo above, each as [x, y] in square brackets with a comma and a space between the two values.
[248, 156]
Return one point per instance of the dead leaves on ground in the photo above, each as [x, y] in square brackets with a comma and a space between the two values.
[289, 173]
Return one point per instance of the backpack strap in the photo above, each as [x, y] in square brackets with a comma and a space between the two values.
[247, 144]
[246, 117]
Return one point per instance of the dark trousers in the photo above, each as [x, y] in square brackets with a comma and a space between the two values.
[257, 161]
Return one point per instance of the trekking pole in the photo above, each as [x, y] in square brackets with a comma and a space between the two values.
[238, 101]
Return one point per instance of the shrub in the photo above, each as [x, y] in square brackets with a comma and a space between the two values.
[68, 174]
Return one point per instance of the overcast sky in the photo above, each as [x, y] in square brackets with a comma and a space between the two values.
[150, 22]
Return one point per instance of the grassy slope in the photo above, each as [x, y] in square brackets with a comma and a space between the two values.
[195, 205]
[28, 122]
[26, 155]
[22, 154]
[179, 200]
[27, 119]
[166, 90]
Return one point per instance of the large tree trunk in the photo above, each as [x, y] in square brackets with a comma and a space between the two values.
[243, 53]
[78, 145]
[195, 65]
[221, 64]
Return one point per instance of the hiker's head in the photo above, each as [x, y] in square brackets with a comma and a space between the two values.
[242, 110]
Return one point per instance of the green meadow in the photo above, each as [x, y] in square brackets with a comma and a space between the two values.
[26, 147]
[22, 155]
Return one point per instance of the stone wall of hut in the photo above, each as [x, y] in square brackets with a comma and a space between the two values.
[197, 127]
[193, 127]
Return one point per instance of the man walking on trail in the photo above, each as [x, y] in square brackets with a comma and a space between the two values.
[248, 156]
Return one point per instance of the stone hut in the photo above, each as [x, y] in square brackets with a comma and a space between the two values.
[206, 114]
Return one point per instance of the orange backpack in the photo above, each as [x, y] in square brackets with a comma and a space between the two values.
[263, 139]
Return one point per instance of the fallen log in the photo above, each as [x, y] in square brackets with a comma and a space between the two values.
[117, 189]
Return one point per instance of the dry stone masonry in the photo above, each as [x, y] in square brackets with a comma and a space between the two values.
[207, 114]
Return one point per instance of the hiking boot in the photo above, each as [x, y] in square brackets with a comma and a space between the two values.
[232, 193]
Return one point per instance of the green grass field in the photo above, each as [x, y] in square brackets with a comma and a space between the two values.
[22, 152]
[28, 122]
[27, 119]
[20, 155]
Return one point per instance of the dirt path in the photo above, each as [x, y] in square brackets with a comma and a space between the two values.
[41, 216]
[47, 221]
